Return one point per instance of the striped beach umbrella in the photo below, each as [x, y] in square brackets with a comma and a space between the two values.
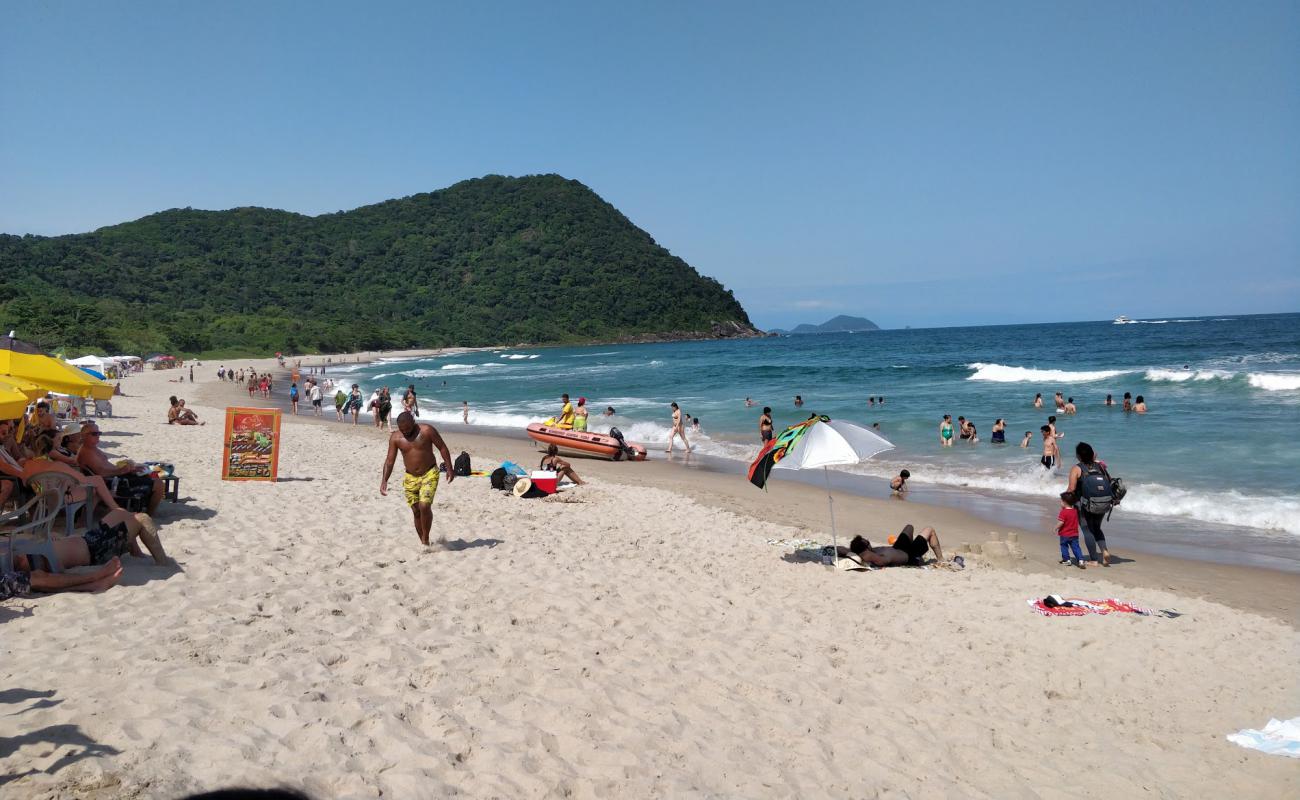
[818, 441]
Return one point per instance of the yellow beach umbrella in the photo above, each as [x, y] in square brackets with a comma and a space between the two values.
[24, 362]
[11, 384]
[12, 403]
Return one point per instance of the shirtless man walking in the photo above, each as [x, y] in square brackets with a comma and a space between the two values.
[416, 443]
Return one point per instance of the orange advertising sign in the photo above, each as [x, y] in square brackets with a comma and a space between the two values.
[251, 449]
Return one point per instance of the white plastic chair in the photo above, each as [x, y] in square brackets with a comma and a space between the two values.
[34, 537]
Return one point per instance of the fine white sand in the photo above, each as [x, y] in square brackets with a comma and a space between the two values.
[629, 642]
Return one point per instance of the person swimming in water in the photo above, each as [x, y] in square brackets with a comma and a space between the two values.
[999, 431]
[1029, 437]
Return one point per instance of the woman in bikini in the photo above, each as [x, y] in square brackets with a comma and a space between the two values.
[559, 466]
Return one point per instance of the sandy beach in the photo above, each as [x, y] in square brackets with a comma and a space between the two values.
[641, 635]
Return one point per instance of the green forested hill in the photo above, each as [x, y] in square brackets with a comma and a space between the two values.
[495, 260]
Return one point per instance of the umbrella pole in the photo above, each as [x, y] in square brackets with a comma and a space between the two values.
[830, 504]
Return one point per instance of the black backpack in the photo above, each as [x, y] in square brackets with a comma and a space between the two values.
[461, 466]
[1097, 493]
[498, 478]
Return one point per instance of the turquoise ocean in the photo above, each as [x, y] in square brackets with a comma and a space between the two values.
[1213, 464]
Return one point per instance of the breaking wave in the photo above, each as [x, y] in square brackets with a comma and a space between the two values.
[1181, 375]
[1274, 381]
[1000, 373]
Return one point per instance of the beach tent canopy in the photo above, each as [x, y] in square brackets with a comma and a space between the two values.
[26, 362]
[94, 362]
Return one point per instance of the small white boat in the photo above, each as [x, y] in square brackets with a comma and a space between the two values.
[1123, 320]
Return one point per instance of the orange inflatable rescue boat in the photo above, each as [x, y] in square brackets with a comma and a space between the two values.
[609, 445]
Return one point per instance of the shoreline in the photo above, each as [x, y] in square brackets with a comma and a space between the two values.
[800, 501]
[1189, 537]
[1183, 539]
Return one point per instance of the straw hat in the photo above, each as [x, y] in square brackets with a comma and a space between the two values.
[522, 486]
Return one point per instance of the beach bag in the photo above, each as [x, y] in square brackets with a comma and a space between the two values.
[1096, 489]
[498, 478]
[461, 465]
[1117, 490]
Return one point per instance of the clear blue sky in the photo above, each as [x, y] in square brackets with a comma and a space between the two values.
[948, 164]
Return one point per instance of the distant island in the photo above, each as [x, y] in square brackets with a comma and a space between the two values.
[489, 261]
[840, 324]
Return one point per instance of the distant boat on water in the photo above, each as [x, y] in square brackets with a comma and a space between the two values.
[1123, 320]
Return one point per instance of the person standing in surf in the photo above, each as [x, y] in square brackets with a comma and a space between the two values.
[765, 425]
[945, 431]
[565, 420]
[678, 430]
[415, 441]
[1051, 451]
[410, 402]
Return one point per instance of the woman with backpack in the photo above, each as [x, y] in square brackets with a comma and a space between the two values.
[1092, 485]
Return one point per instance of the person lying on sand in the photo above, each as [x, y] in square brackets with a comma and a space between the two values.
[119, 532]
[908, 549]
[553, 462]
[13, 584]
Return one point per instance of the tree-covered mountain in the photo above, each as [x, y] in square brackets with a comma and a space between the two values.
[839, 324]
[495, 260]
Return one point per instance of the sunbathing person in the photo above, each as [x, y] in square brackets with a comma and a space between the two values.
[553, 462]
[131, 481]
[38, 580]
[119, 532]
[178, 414]
[64, 448]
[42, 463]
[908, 549]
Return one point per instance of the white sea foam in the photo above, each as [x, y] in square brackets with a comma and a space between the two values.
[1222, 508]
[1275, 381]
[1182, 375]
[1000, 373]
[518, 356]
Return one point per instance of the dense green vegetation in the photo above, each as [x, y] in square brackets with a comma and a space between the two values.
[495, 260]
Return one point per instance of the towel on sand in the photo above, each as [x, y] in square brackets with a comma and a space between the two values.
[1078, 607]
[1278, 738]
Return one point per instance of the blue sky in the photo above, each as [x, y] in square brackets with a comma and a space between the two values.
[939, 165]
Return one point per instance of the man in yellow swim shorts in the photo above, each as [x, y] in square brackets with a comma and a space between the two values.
[416, 443]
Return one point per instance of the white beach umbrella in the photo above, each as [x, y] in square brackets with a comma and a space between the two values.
[818, 442]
